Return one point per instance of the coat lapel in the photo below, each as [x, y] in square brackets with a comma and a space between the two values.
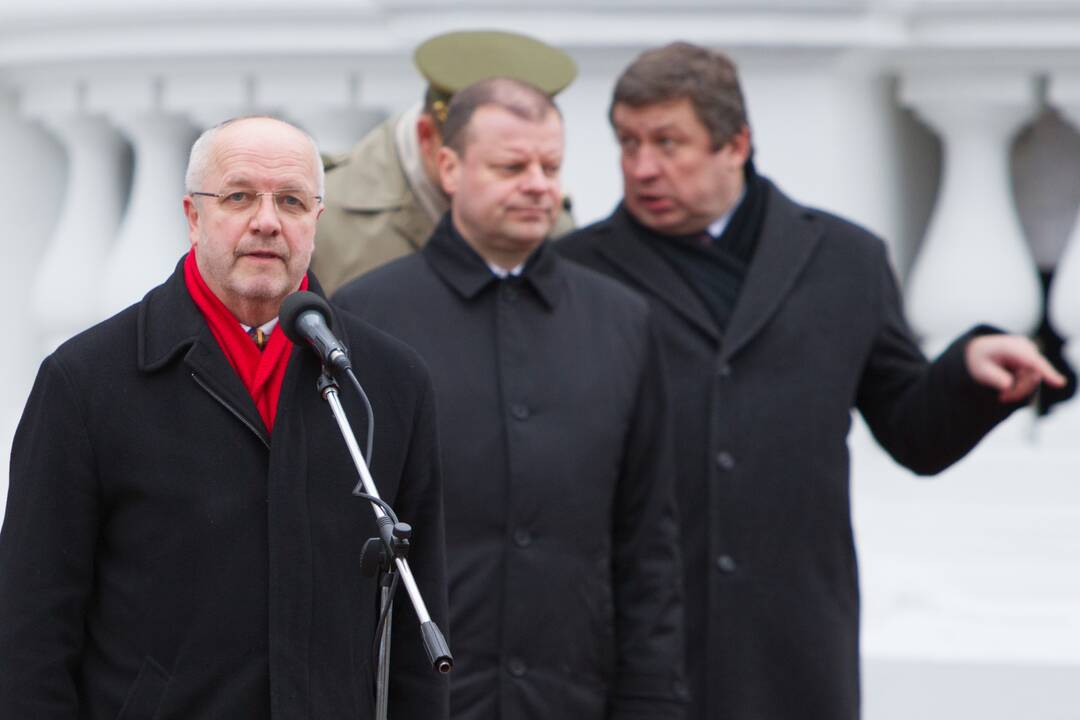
[213, 370]
[170, 324]
[630, 253]
[787, 242]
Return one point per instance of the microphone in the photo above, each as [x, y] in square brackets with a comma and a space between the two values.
[305, 318]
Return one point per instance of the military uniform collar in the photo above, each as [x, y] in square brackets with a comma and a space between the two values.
[428, 195]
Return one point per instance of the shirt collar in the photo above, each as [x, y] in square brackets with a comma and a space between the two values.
[502, 273]
[716, 227]
[469, 274]
[266, 327]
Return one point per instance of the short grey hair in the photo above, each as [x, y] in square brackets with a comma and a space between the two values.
[199, 159]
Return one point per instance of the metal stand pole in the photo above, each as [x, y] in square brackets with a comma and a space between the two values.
[392, 536]
[382, 678]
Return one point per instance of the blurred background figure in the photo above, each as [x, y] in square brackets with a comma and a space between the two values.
[563, 556]
[777, 320]
[383, 198]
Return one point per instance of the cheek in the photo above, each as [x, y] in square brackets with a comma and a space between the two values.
[499, 195]
[627, 171]
[692, 183]
[302, 242]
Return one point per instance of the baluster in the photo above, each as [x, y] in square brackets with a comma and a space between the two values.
[154, 232]
[1062, 427]
[33, 169]
[68, 284]
[974, 265]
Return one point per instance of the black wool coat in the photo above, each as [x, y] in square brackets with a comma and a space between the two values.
[163, 556]
[761, 419]
[562, 547]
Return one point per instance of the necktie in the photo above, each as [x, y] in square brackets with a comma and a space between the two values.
[259, 337]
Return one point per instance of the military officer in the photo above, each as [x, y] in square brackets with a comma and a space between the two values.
[383, 197]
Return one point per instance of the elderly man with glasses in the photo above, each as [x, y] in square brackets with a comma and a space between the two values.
[180, 538]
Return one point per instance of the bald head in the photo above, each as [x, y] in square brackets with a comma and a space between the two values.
[252, 210]
[203, 151]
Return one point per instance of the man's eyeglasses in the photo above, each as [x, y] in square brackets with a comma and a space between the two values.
[294, 203]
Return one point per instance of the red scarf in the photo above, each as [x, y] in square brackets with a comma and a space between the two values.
[262, 372]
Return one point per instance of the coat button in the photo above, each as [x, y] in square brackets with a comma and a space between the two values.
[520, 411]
[726, 564]
[522, 538]
[724, 371]
[517, 667]
[725, 460]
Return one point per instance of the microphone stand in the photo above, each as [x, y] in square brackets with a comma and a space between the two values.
[394, 541]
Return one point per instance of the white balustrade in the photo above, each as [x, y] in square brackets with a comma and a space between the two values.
[30, 177]
[974, 265]
[1062, 427]
[68, 284]
[153, 235]
[31, 171]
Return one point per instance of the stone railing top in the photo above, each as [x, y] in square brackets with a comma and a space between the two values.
[56, 29]
[50, 32]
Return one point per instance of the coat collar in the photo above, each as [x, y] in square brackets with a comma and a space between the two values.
[788, 239]
[370, 179]
[468, 274]
[170, 325]
[629, 248]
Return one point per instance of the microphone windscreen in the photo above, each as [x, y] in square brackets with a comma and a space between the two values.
[297, 304]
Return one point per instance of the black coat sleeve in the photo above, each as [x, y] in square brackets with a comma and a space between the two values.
[47, 552]
[926, 415]
[647, 563]
[417, 691]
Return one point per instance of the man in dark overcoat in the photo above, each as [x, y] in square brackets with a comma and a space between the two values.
[776, 320]
[561, 537]
[180, 538]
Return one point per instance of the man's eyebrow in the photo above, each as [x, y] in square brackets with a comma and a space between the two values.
[245, 182]
[665, 127]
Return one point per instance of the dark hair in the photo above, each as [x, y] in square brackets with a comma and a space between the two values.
[514, 96]
[707, 78]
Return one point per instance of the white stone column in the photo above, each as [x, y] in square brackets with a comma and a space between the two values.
[974, 265]
[31, 174]
[68, 283]
[154, 233]
[1062, 427]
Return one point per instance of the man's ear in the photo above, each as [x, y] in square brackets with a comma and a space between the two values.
[191, 212]
[428, 135]
[739, 145]
[449, 165]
